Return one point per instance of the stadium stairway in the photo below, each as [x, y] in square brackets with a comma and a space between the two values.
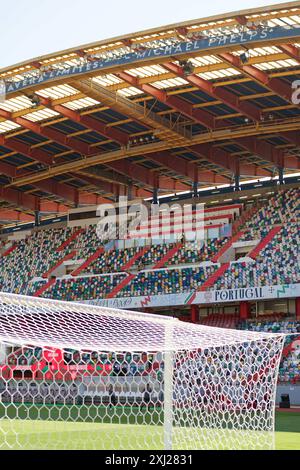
[226, 247]
[135, 258]
[70, 239]
[214, 277]
[121, 286]
[9, 251]
[88, 261]
[162, 262]
[245, 217]
[264, 242]
[45, 287]
[125, 282]
[59, 263]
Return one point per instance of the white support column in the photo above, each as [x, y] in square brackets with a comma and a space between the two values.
[168, 388]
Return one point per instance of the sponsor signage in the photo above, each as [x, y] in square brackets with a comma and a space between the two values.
[244, 37]
[207, 297]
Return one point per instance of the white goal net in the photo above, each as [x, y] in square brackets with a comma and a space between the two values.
[75, 376]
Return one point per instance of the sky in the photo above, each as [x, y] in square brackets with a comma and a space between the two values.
[36, 27]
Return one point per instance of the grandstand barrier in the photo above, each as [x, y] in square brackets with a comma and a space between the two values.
[244, 310]
[194, 313]
[298, 308]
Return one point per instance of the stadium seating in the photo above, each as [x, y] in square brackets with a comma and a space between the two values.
[83, 288]
[42, 250]
[171, 281]
[277, 264]
[280, 209]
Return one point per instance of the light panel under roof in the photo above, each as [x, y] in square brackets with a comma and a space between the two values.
[204, 61]
[106, 80]
[41, 115]
[57, 92]
[216, 74]
[148, 71]
[130, 91]
[172, 82]
[16, 104]
[6, 126]
[278, 64]
[81, 103]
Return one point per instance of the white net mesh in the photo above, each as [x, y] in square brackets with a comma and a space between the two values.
[74, 376]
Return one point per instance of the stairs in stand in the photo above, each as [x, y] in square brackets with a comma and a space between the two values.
[89, 261]
[125, 282]
[121, 286]
[136, 257]
[161, 263]
[70, 239]
[214, 277]
[226, 247]
[264, 242]
[45, 287]
[245, 217]
[59, 263]
[9, 251]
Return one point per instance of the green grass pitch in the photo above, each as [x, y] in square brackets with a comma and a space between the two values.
[86, 433]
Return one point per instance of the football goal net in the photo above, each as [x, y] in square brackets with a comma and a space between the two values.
[77, 376]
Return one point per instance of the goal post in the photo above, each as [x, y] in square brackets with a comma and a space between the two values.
[77, 376]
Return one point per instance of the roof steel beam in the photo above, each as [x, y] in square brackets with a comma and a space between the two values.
[9, 215]
[182, 106]
[145, 176]
[264, 150]
[49, 185]
[293, 137]
[220, 93]
[185, 168]
[291, 51]
[218, 157]
[46, 131]
[110, 188]
[36, 154]
[8, 170]
[87, 121]
[61, 190]
[104, 158]
[19, 199]
[177, 164]
[164, 129]
[279, 87]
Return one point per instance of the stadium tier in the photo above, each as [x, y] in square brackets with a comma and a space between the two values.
[86, 268]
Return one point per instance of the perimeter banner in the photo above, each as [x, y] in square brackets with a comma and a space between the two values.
[245, 37]
[200, 298]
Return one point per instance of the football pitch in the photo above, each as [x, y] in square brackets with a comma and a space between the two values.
[68, 435]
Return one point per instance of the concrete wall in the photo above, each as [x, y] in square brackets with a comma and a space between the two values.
[292, 390]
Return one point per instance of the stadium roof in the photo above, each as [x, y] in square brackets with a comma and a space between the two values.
[201, 101]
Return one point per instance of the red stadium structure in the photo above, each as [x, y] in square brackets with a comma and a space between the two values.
[204, 114]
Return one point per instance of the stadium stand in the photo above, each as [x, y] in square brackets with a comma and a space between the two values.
[275, 263]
